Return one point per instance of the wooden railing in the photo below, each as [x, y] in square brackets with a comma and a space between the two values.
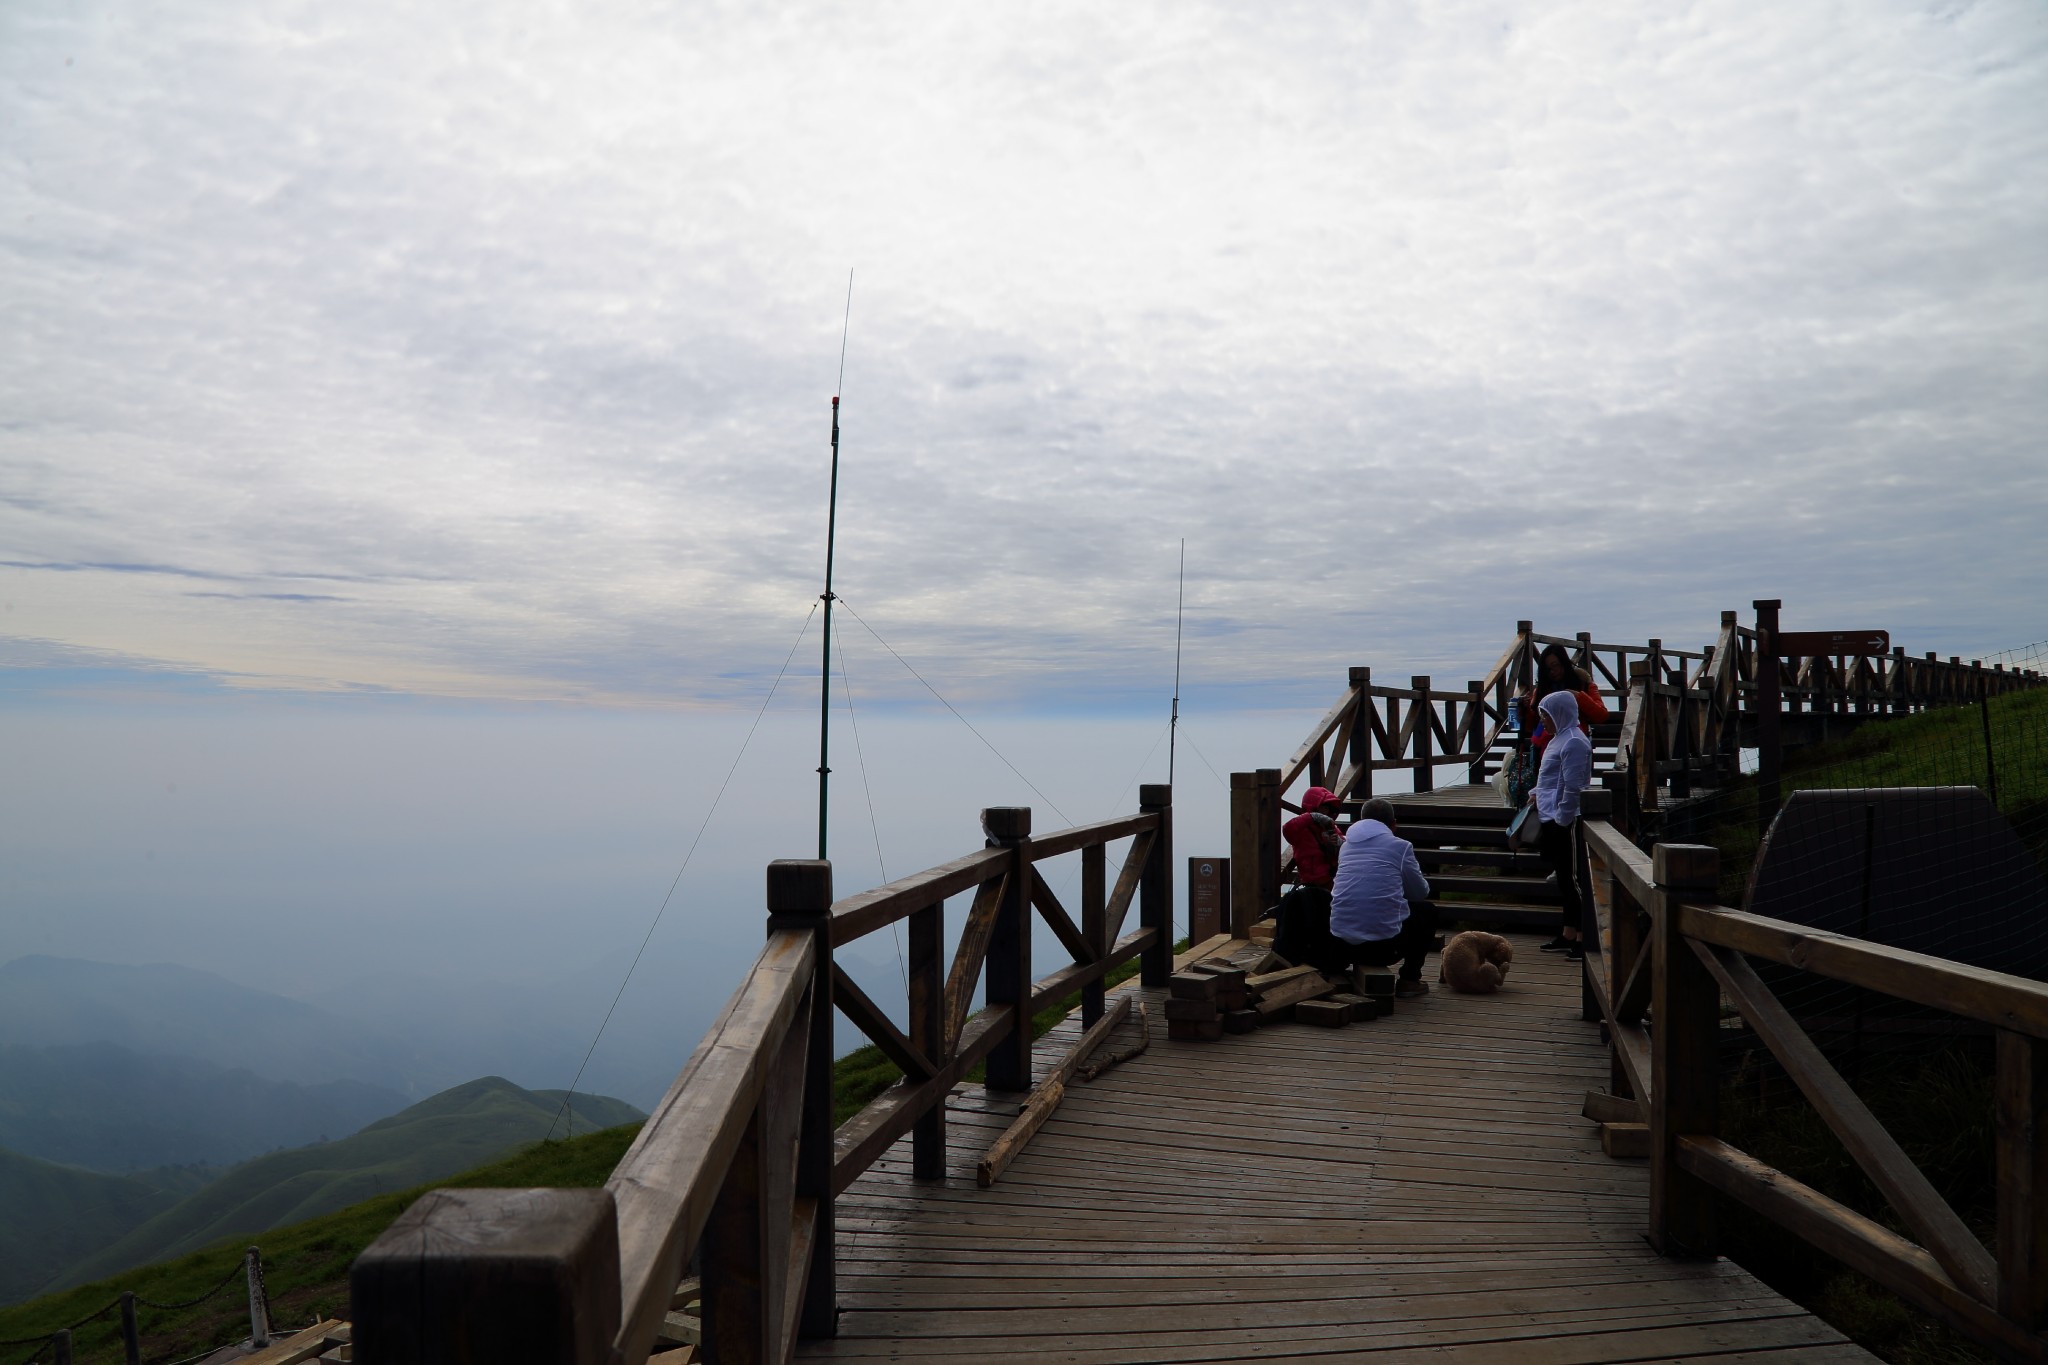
[1684, 723]
[740, 1158]
[1675, 957]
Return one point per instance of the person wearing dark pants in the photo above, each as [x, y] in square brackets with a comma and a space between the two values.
[1567, 771]
[1379, 903]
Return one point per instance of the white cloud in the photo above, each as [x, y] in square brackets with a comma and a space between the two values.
[485, 349]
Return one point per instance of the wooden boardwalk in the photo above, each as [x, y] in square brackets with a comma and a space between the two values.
[1419, 1186]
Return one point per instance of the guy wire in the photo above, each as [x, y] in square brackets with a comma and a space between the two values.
[649, 937]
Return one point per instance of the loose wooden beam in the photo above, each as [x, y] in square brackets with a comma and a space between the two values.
[1901, 1183]
[861, 1140]
[1118, 1058]
[1046, 1096]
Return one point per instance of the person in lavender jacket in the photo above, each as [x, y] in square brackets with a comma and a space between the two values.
[1567, 770]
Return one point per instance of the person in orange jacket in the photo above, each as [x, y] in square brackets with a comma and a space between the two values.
[1556, 673]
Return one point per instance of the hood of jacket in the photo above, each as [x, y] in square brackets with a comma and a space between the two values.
[1562, 710]
[1315, 798]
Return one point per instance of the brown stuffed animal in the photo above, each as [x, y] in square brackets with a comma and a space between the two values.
[1476, 963]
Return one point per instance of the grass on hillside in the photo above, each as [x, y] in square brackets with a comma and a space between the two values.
[306, 1264]
[1932, 749]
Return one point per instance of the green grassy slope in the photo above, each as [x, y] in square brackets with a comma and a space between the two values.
[436, 1138]
[1932, 749]
[53, 1215]
[306, 1264]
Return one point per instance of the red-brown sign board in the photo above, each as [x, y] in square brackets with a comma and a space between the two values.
[1805, 644]
[1208, 898]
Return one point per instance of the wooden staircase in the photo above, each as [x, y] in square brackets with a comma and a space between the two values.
[1461, 839]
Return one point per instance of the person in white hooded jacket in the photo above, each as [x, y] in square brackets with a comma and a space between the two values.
[1567, 770]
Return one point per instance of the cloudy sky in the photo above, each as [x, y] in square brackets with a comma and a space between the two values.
[485, 350]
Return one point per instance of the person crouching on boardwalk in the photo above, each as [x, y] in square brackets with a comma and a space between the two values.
[1379, 904]
[1315, 838]
[1567, 770]
[1303, 933]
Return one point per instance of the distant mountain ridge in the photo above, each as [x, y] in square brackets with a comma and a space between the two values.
[110, 1108]
[450, 1132]
[163, 1008]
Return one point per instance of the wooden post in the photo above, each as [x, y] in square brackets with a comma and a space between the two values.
[1525, 660]
[1155, 887]
[60, 1353]
[800, 898]
[1269, 848]
[131, 1339]
[259, 1306]
[1594, 804]
[1008, 971]
[1684, 1053]
[1425, 769]
[2022, 1107]
[1094, 923]
[928, 1030]
[1361, 732]
[530, 1275]
[1244, 853]
[1770, 752]
[1475, 730]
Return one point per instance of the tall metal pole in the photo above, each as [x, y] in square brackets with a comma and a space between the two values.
[1173, 724]
[831, 542]
[825, 669]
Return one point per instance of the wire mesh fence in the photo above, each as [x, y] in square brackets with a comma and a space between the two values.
[1927, 833]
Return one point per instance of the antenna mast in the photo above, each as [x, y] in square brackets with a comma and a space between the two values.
[1173, 725]
[831, 540]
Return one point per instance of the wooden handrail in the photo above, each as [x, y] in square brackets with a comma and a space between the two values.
[868, 911]
[1997, 998]
[741, 1152]
[1697, 957]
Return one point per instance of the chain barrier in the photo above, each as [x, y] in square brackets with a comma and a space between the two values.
[44, 1342]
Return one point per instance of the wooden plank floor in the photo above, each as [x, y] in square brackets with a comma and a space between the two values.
[1415, 1186]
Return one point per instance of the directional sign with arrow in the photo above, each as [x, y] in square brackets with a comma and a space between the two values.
[1804, 644]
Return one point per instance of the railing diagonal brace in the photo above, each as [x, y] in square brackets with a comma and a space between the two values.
[1947, 1238]
[969, 955]
[1635, 992]
[867, 1016]
[1056, 916]
[1127, 885]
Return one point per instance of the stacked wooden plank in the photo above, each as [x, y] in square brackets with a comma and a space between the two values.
[1243, 985]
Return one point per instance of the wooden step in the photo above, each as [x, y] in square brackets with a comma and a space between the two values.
[1529, 889]
[1526, 864]
[1494, 915]
[1436, 836]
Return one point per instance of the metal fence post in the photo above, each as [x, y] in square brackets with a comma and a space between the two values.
[131, 1338]
[259, 1306]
